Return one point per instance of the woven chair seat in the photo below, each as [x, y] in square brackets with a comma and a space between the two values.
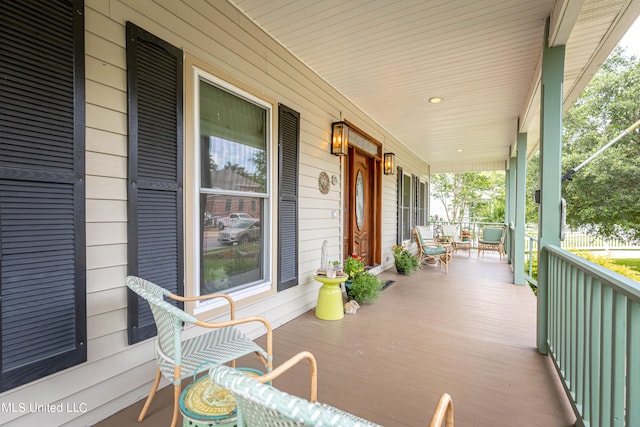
[219, 345]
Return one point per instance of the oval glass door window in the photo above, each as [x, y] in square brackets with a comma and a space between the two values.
[359, 200]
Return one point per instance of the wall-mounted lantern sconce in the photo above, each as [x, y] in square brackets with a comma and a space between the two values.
[339, 138]
[389, 163]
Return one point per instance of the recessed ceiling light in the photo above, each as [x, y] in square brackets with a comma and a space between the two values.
[436, 100]
[459, 150]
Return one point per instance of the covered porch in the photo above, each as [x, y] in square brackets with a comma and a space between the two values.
[470, 333]
[504, 75]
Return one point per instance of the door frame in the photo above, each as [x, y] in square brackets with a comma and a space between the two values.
[357, 140]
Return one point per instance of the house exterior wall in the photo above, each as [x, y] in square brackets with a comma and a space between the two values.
[117, 374]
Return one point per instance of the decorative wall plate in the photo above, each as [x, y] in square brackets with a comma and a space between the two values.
[323, 183]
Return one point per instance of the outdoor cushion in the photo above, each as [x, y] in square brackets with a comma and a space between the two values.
[492, 235]
[434, 250]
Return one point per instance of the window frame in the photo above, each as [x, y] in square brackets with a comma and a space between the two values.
[265, 284]
[422, 210]
[406, 180]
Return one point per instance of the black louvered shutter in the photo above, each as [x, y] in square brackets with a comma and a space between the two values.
[42, 190]
[154, 208]
[415, 182]
[288, 143]
[400, 199]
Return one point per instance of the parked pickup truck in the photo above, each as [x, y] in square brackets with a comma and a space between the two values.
[232, 219]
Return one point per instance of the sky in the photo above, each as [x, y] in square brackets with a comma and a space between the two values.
[631, 40]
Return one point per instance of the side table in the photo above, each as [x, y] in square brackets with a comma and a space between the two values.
[464, 245]
[330, 305]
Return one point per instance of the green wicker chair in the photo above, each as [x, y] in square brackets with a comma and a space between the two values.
[492, 239]
[180, 358]
[264, 406]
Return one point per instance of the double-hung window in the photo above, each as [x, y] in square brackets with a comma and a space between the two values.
[406, 202]
[233, 153]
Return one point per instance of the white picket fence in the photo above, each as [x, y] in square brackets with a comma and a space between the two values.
[583, 241]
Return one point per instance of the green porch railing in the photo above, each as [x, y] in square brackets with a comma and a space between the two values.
[594, 339]
[530, 254]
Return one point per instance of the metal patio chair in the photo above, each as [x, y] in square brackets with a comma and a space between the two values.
[179, 358]
[262, 405]
[492, 239]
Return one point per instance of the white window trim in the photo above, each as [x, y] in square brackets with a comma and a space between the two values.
[266, 284]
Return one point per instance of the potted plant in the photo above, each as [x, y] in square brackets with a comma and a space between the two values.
[362, 286]
[353, 265]
[465, 235]
[365, 288]
[406, 262]
[337, 267]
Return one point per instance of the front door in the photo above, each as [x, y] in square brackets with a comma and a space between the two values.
[361, 199]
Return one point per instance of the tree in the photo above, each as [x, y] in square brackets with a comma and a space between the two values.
[460, 193]
[533, 184]
[604, 195]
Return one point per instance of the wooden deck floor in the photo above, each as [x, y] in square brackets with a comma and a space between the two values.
[469, 333]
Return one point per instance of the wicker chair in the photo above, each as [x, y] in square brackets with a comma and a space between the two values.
[262, 405]
[428, 248]
[178, 358]
[492, 239]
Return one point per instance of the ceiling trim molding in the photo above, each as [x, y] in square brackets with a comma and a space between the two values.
[563, 18]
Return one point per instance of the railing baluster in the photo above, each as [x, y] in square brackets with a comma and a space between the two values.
[572, 372]
[606, 359]
[594, 339]
[618, 354]
[583, 339]
[594, 365]
[633, 365]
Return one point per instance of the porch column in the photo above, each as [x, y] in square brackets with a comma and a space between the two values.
[517, 259]
[510, 209]
[550, 172]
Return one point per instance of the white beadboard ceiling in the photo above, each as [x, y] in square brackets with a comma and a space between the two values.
[482, 56]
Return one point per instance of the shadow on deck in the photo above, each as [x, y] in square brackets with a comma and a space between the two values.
[470, 333]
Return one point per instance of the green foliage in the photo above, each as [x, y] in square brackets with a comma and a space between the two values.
[627, 267]
[365, 288]
[533, 184]
[603, 196]
[534, 269]
[481, 195]
[632, 263]
[405, 261]
[353, 266]
[610, 263]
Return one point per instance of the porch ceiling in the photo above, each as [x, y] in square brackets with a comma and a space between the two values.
[483, 57]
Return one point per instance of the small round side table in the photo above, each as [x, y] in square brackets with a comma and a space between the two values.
[330, 305]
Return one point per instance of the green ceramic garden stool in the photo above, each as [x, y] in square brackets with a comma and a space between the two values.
[203, 403]
[330, 305]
